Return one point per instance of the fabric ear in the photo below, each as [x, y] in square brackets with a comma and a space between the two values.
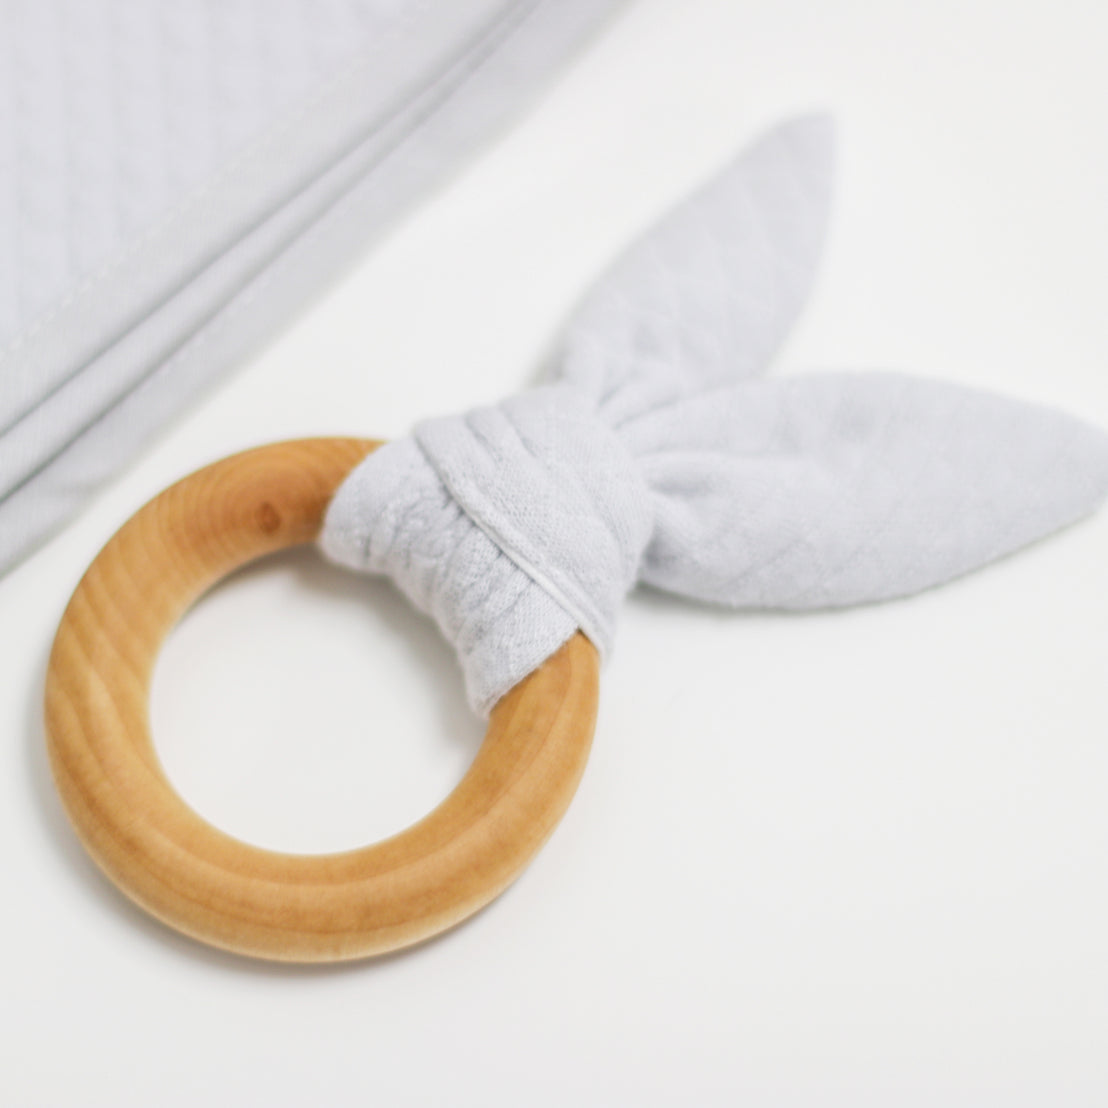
[709, 294]
[837, 489]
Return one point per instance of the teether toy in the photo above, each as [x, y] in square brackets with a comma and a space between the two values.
[654, 455]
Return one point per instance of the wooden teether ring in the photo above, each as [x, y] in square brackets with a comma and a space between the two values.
[303, 908]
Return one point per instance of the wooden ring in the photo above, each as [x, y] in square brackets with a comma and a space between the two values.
[287, 907]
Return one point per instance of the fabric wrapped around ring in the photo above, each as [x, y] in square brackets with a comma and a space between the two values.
[659, 456]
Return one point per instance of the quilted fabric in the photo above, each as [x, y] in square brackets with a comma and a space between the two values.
[657, 456]
[175, 178]
[711, 293]
[112, 111]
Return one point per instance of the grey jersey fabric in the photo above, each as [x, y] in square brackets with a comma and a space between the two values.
[174, 179]
[660, 455]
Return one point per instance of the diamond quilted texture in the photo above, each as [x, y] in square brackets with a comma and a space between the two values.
[112, 111]
[175, 179]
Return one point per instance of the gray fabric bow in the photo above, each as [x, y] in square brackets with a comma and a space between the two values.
[658, 456]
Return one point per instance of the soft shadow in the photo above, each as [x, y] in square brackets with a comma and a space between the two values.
[413, 633]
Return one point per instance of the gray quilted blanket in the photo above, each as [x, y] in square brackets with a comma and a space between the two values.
[176, 178]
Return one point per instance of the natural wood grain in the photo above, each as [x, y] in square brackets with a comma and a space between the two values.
[225, 892]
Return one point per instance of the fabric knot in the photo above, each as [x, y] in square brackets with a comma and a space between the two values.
[553, 487]
[661, 456]
[512, 526]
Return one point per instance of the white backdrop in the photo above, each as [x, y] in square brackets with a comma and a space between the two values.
[855, 858]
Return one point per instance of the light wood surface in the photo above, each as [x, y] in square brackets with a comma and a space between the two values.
[216, 888]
